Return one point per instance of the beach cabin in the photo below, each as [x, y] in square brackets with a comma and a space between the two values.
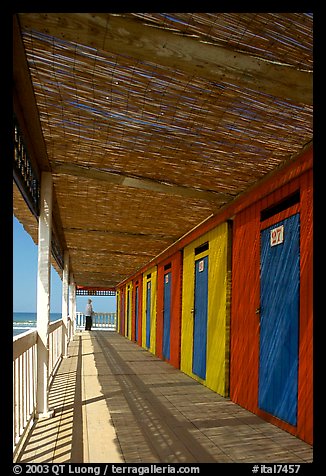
[121, 311]
[271, 352]
[136, 309]
[128, 310]
[149, 309]
[205, 328]
[168, 320]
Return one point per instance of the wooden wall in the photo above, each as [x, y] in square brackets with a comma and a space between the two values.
[128, 310]
[218, 326]
[175, 263]
[137, 283]
[245, 322]
[153, 297]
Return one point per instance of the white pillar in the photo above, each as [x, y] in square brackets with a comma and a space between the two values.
[65, 292]
[72, 302]
[43, 295]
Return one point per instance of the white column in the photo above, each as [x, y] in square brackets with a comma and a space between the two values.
[72, 301]
[43, 295]
[65, 292]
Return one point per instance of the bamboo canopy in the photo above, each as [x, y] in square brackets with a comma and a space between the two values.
[152, 122]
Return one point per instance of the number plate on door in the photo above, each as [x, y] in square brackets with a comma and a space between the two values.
[277, 235]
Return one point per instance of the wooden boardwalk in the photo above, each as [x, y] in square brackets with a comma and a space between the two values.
[116, 402]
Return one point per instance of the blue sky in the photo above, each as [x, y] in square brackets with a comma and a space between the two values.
[25, 279]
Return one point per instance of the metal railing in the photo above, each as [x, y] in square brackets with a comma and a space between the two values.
[25, 374]
[101, 320]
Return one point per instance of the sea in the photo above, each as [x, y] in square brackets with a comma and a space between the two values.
[24, 321]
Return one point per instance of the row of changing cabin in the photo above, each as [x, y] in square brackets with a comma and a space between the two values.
[230, 304]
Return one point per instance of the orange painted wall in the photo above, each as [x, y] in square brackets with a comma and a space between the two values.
[246, 299]
[176, 272]
[305, 410]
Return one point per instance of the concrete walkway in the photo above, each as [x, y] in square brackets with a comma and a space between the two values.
[115, 402]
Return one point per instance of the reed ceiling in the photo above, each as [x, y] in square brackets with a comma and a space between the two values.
[151, 122]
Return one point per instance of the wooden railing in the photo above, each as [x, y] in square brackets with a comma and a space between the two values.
[25, 374]
[25, 367]
[55, 347]
[101, 320]
[24, 383]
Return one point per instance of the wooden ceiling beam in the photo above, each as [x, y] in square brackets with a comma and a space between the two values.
[157, 236]
[140, 183]
[125, 36]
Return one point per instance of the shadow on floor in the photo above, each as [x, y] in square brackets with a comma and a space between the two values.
[143, 410]
[162, 415]
[60, 438]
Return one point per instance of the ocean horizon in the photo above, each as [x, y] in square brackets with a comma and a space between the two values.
[24, 321]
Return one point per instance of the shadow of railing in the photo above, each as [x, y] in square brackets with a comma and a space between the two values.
[159, 414]
[60, 438]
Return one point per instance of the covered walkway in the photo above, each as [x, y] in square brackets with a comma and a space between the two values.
[116, 402]
[148, 148]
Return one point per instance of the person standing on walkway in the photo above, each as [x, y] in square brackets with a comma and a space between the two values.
[89, 313]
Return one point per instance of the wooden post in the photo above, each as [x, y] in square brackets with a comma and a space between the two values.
[43, 295]
[65, 292]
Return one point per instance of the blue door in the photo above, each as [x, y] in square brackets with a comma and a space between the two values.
[148, 315]
[166, 315]
[279, 319]
[136, 312]
[200, 317]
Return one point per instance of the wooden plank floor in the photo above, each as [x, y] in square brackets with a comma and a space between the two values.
[116, 402]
